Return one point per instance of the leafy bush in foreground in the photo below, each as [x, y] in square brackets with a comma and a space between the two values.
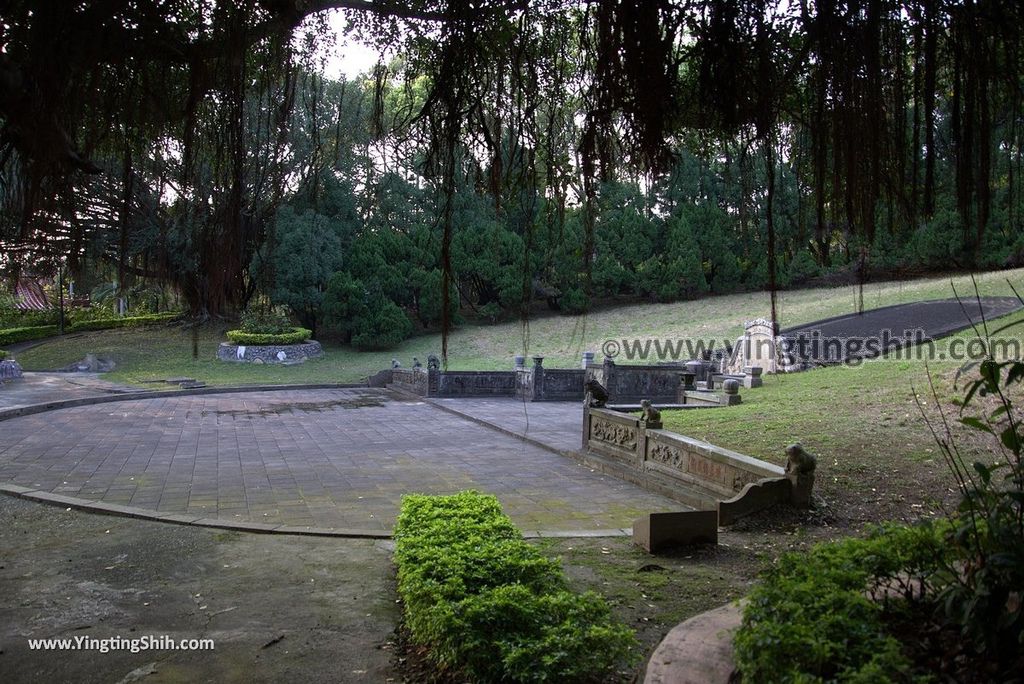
[826, 615]
[296, 336]
[820, 616]
[487, 604]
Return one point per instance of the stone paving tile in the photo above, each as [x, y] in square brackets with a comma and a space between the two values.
[556, 423]
[308, 459]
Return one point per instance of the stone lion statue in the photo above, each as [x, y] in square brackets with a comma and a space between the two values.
[597, 395]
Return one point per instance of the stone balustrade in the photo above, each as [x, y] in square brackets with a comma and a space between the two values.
[697, 473]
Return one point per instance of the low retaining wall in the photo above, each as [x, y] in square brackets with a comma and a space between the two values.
[277, 353]
[550, 384]
[411, 380]
[472, 383]
[689, 470]
[425, 382]
[532, 384]
[630, 384]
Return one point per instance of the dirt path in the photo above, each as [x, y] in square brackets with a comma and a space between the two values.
[279, 608]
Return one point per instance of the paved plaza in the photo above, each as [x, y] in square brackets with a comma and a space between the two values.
[314, 460]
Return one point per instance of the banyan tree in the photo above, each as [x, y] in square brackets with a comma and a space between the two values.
[155, 134]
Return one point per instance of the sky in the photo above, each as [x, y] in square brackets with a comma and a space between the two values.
[347, 58]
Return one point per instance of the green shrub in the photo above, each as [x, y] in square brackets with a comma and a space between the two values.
[574, 301]
[987, 533]
[125, 322]
[819, 616]
[382, 325]
[15, 335]
[16, 318]
[3, 355]
[489, 605]
[296, 336]
[264, 321]
[803, 267]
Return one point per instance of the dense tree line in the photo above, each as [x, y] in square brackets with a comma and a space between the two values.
[512, 152]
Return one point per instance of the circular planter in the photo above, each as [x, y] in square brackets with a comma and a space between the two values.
[284, 354]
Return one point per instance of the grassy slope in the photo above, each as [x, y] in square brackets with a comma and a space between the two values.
[156, 353]
[873, 442]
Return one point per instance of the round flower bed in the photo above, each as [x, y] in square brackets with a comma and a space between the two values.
[284, 348]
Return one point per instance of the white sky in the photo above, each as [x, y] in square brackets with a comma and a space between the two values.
[347, 58]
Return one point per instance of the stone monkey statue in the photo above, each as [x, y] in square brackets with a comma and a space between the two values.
[800, 467]
[799, 462]
[650, 417]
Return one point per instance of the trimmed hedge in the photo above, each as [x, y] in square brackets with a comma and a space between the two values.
[38, 332]
[15, 335]
[820, 616]
[489, 606]
[296, 336]
[125, 322]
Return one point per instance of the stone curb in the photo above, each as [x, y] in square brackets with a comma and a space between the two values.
[31, 409]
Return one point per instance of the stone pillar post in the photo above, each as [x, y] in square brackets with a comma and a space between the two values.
[609, 377]
[538, 378]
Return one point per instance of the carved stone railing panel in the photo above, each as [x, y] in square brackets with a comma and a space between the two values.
[615, 434]
[681, 464]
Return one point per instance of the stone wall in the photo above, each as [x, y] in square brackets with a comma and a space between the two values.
[278, 353]
[689, 470]
[411, 380]
[472, 383]
[531, 384]
[630, 384]
[562, 384]
[438, 383]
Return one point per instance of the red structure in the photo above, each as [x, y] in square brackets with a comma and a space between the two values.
[29, 295]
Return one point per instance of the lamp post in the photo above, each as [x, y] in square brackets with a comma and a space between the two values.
[60, 297]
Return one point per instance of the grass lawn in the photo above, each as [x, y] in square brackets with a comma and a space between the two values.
[161, 352]
[877, 456]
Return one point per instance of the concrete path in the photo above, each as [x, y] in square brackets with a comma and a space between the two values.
[555, 424]
[320, 461]
[40, 388]
[865, 335]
